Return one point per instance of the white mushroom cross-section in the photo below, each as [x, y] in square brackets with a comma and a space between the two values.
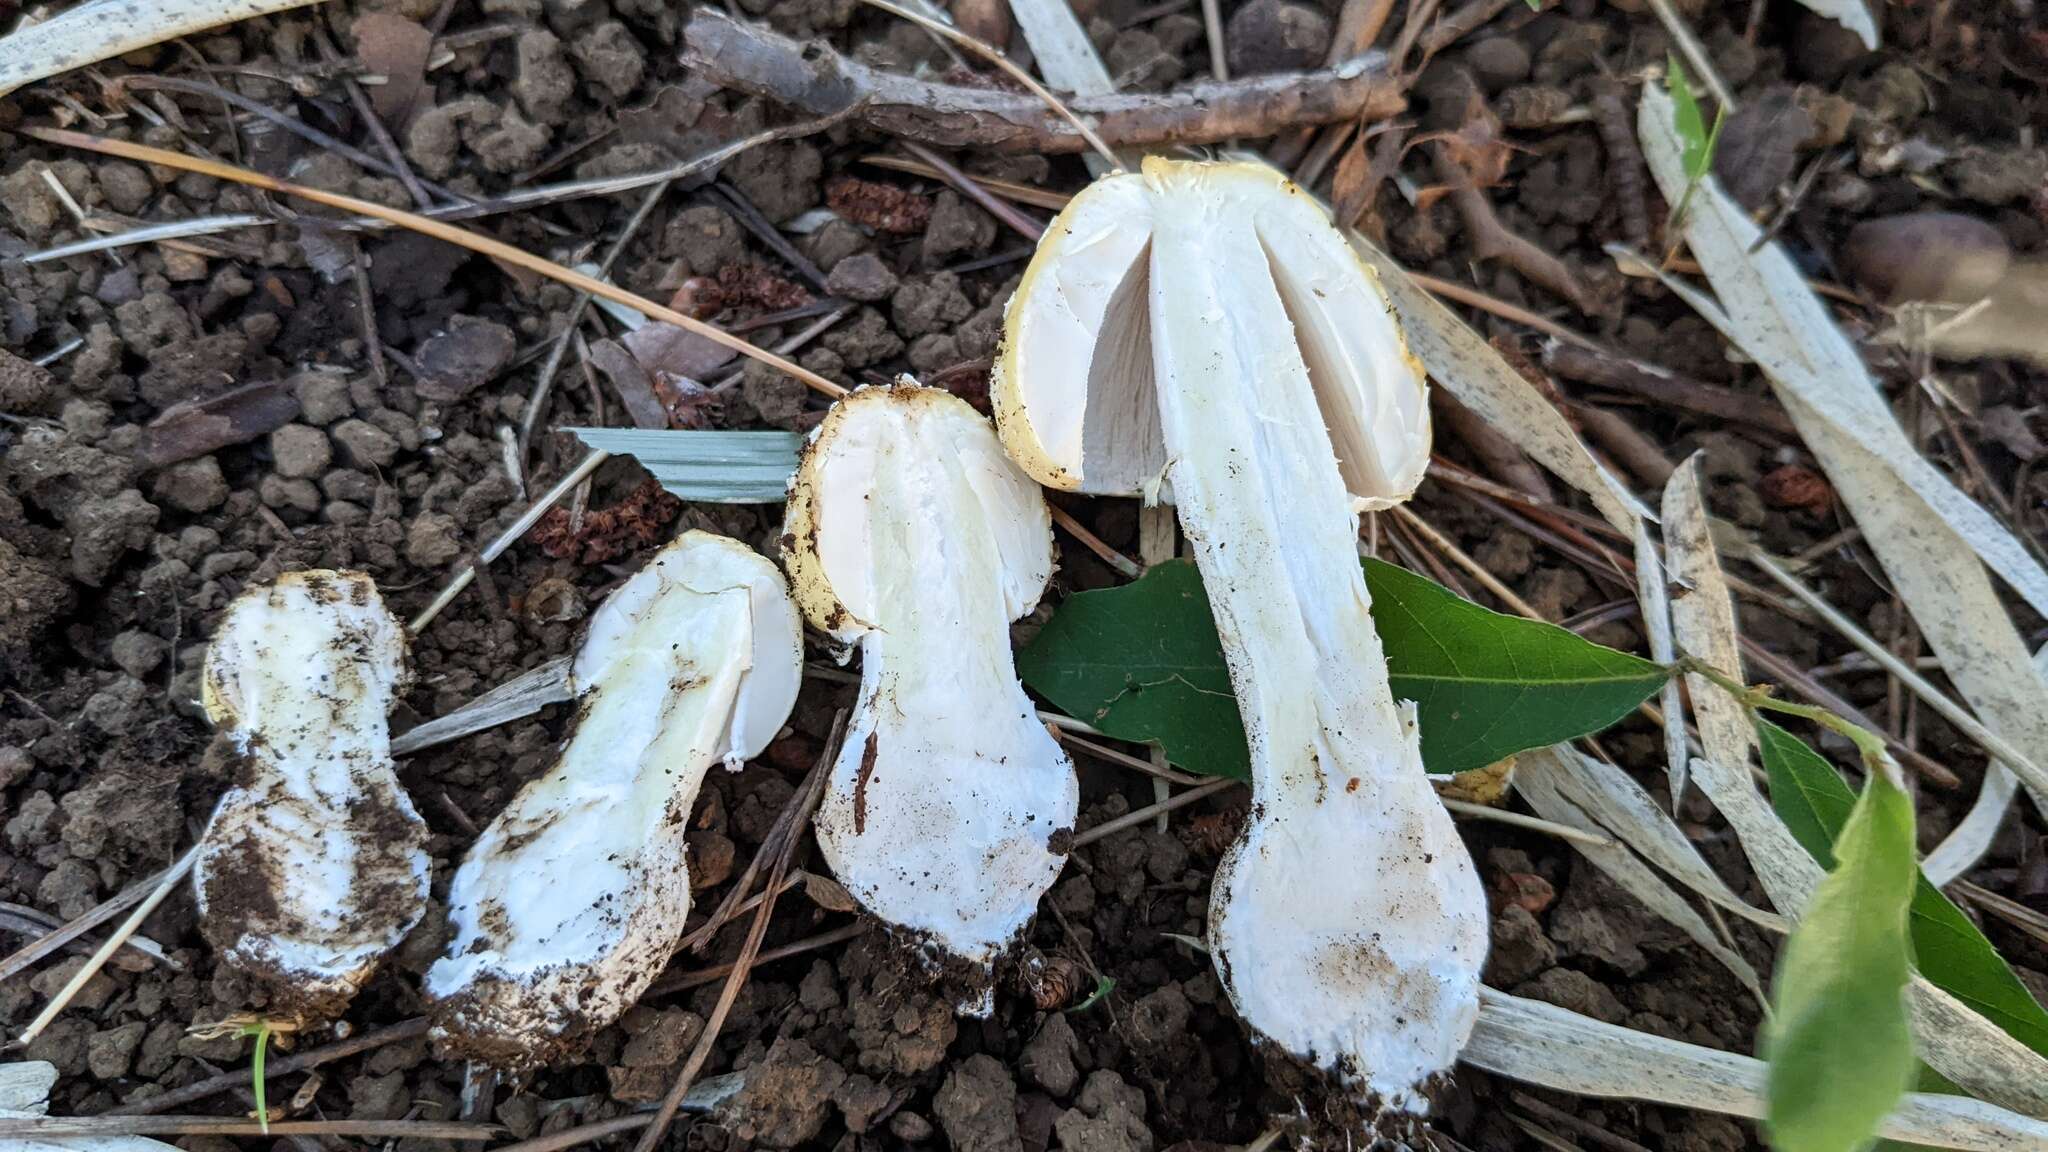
[1203, 329]
[912, 535]
[315, 863]
[573, 899]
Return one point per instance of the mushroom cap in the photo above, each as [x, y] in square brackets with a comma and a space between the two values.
[274, 650]
[1073, 387]
[828, 541]
[705, 562]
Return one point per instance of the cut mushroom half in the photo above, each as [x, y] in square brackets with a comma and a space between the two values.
[572, 901]
[1205, 324]
[910, 534]
[314, 864]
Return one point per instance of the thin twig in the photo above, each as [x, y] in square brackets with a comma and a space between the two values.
[1662, 387]
[1533, 823]
[507, 538]
[1124, 759]
[766, 232]
[2022, 765]
[786, 828]
[1138, 816]
[1474, 568]
[35, 950]
[995, 56]
[274, 1068]
[536, 400]
[1123, 564]
[806, 803]
[1695, 54]
[683, 981]
[747, 58]
[1472, 297]
[971, 188]
[1007, 189]
[285, 120]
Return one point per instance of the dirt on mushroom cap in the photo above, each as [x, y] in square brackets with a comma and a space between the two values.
[314, 864]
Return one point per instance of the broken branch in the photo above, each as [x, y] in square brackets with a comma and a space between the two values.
[812, 77]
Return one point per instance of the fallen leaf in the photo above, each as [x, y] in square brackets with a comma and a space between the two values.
[195, 428]
[631, 382]
[666, 350]
[396, 49]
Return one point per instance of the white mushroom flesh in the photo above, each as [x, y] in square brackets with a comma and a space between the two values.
[911, 534]
[1348, 922]
[574, 898]
[314, 864]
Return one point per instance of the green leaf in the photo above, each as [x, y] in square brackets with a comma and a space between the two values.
[1949, 950]
[1142, 662]
[1840, 1051]
[1686, 119]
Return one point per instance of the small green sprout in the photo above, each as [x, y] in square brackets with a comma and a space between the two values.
[260, 1029]
[1103, 987]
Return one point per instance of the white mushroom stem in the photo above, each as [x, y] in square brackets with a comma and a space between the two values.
[1348, 923]
[911, 534]
[315, 862]
[572, 901]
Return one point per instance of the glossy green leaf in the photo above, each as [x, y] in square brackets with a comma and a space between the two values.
[1949, 950]
[1839, 1048]
[1142, 662]
[1686, 118]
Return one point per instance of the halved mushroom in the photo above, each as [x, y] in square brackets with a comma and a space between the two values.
[910, 533]
[315, 862]
[1347, 922]
[574, 898]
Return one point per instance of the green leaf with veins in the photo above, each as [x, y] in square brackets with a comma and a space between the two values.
[1948, 949]
[1143, 662]
[1838, 1044]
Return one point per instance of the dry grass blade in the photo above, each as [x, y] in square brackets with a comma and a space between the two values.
[1614, 801]
[523, 695]
[507, 538]
[1921, 528]
[1462, 362]
[1542, 1044]
[164, 885]
[103, 29]
[484, 245]
[36, 949]
[803, 805]
[1628, 870]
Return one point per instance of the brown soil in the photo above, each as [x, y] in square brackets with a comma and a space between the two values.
[217, 413]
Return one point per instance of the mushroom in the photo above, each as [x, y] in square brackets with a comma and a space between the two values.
[1203, 327]
[572, 901]
[315, 863]
[910, 534]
